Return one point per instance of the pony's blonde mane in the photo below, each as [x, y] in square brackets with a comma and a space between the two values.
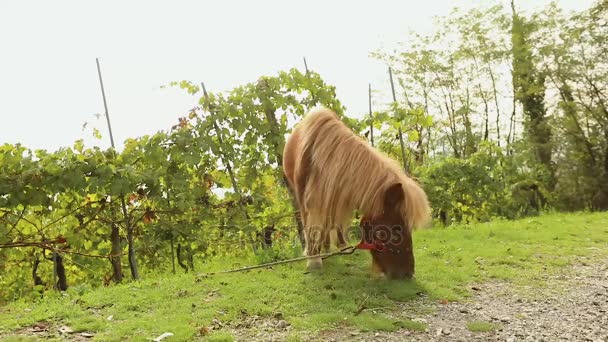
[347, 173]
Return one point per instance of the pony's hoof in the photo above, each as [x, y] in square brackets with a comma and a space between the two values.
[314, 264]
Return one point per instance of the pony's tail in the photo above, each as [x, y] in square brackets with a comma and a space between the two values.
[416, 206]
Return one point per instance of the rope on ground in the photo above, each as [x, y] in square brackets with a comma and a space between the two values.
[343, 251]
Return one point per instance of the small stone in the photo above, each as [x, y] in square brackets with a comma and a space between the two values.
[446, 331]
[66, 330]
[511, 339]
[162, 337]
[354, 333]
[282, 324]
[439, 332]
[464, 311]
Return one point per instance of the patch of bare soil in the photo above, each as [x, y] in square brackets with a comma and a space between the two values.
[256, 328]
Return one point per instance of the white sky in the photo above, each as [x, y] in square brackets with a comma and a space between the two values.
[48, 78]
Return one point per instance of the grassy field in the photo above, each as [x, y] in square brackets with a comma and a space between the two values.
[448, 260]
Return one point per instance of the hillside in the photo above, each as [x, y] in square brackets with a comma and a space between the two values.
[485, 281]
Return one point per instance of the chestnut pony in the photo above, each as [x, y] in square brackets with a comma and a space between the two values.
[334, 172]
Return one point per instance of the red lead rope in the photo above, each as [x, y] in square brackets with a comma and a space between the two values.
[376, 246]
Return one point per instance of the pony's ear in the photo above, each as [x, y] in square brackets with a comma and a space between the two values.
[394, 194]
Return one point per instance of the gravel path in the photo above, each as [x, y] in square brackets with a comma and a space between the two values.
[572, 307]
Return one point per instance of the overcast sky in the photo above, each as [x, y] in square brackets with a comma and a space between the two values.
[48, 78]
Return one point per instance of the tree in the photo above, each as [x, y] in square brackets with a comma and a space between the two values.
[529, 86]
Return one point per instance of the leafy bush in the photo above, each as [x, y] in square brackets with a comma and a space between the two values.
[487, 184]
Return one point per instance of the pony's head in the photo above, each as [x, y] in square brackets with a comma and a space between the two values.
[389, 237]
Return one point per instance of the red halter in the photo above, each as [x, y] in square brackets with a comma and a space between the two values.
[376, 246]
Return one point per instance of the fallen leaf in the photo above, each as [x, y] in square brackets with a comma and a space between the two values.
[213, 293]
[203, 331]
[38, 327]
[444, 301]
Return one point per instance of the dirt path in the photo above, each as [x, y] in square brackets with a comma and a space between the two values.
[572, 307]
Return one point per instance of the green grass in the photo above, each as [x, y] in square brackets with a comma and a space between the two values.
[220, 336]
[19, 339]
[447, 260]
[481, 326]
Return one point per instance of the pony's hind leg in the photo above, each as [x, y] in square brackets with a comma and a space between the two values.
[331, 234]
[341, 238]
[341, 229]
[327, 238]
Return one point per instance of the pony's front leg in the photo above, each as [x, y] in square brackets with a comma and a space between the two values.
[314, 239]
